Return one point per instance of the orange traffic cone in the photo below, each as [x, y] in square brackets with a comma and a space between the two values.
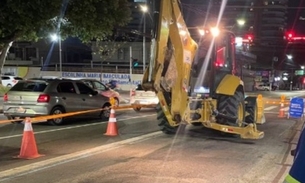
[282, 111]
[28, 147]
[112, 129]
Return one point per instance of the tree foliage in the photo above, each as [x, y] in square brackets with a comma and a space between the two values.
[34, 19]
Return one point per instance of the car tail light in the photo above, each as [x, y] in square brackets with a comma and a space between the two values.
[133, 93]
[15, 81]
[5, 97]
[43, 98]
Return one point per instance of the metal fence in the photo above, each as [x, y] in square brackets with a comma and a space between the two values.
[95, 69]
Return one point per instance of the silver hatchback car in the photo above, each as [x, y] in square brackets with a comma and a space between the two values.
[37, 97]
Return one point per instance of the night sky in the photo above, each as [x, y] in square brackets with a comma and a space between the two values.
[296, 17]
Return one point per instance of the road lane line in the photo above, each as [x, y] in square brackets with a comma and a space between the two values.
[286, 108]
[271, 112]
[35, 167]
[270, 108]
[78, 126]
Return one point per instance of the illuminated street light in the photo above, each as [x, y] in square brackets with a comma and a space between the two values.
[289, 57]
[201, 32]
[56, 38]
[241, 22]
[144, 9]
[215, 31]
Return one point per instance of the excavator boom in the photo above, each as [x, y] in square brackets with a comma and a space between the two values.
[173, 54]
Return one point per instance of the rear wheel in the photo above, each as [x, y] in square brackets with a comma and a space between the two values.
[251, 118]
[233, 106]
[251, 109]
[137, 109]
[56, 121]
[163, 122]
[105, 113]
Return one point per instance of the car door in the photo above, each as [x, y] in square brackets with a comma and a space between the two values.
[67, 96]
[87, 98]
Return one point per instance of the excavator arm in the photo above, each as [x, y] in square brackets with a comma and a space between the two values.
[173, 51]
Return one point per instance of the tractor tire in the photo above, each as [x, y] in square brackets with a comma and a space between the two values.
[251, 110]
[233, 106]
[164, 125]
[251, 118]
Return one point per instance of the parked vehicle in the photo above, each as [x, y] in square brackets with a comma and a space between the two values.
[31, 98]
[103, 89]
[140, 96]
[10, 80]
[263, 87]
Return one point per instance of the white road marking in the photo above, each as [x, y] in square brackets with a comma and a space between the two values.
[34, 167]
[271, 112]
[73, 127]
[270, 108]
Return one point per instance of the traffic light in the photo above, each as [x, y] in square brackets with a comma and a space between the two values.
[135, 63]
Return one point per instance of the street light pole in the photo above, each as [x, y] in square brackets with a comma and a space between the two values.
[144, 43]
[130, 68]
[60, 56]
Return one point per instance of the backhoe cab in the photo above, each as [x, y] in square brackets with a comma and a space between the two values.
[179, 66]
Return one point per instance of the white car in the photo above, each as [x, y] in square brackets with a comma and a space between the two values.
[264, 87]
[9, 80]
[139, 96]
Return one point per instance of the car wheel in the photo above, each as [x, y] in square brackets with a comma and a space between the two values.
[137, 109]
[105, 114]
[9, 85]
[56, 121]
[14, 122]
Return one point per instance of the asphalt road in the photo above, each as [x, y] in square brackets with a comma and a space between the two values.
[79, 152]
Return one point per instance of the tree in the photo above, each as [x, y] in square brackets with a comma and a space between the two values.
[31, 20]
[110, 45]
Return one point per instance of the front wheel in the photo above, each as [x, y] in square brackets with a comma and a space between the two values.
[233, 106]
[163, 122]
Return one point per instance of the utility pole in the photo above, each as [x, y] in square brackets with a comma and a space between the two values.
[130, 68]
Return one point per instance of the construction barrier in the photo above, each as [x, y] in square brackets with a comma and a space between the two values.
[112, 129]
[28, 148]
[260, 110]
[39, 119]
[282, 107]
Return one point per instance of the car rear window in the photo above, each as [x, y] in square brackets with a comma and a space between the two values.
[30, 86]
[18, 78]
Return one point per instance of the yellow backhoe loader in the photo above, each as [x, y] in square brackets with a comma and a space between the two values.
[178, 65]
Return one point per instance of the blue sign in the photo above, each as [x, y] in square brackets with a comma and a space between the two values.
[296, 108]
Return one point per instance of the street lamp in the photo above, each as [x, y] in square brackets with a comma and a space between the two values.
[144, 9]
[241, 22]
[55, 38]
[289, 57]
